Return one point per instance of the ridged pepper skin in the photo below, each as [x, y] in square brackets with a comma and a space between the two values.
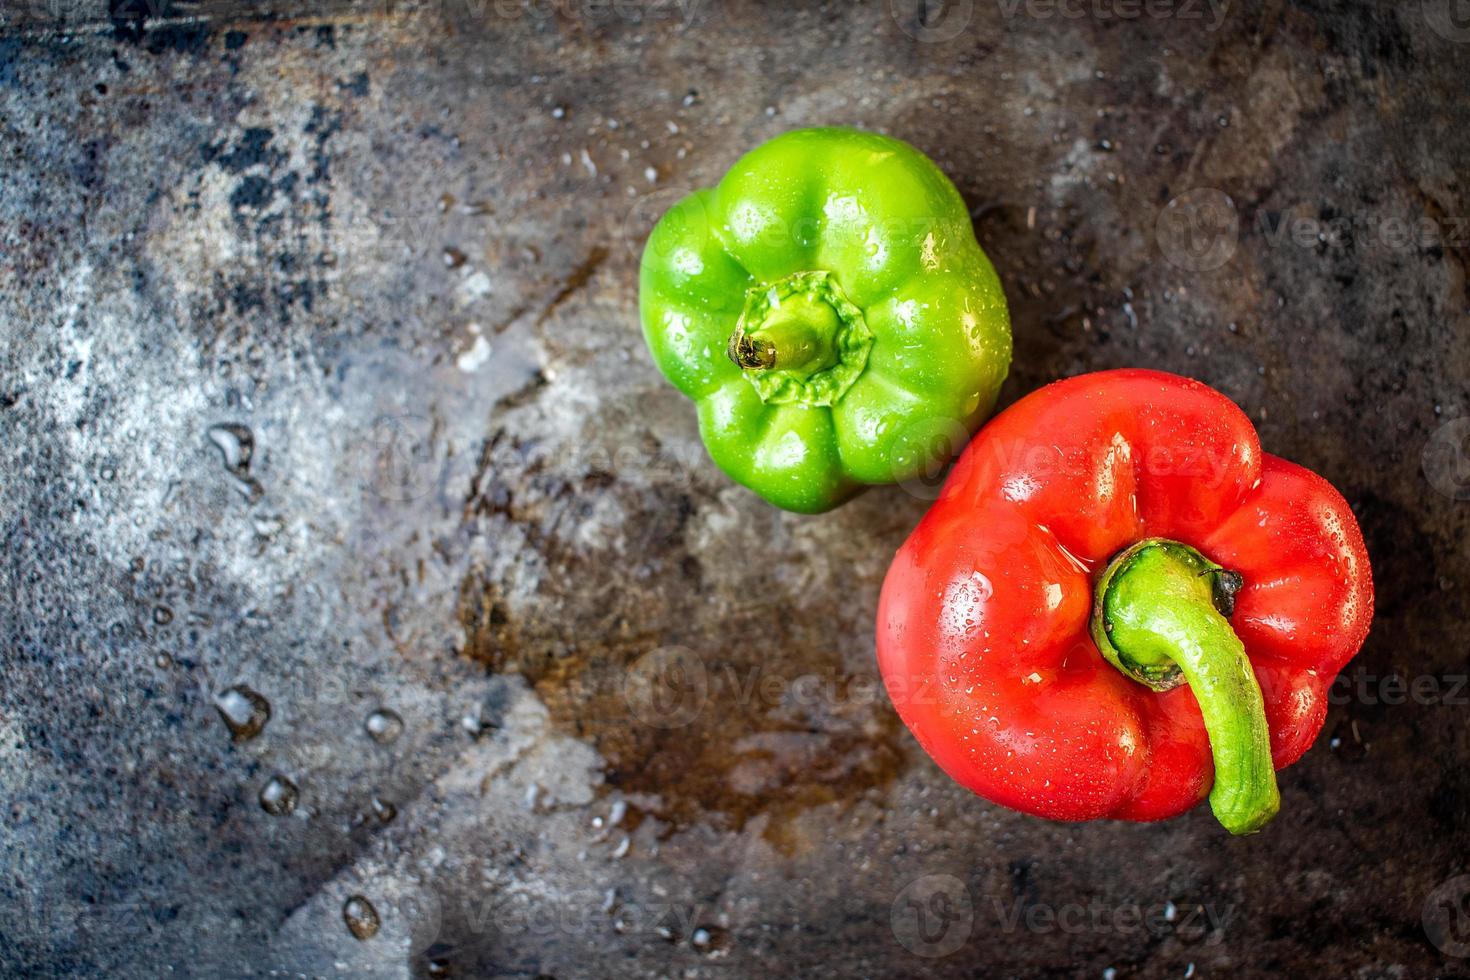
[829, 311]
[988, 626]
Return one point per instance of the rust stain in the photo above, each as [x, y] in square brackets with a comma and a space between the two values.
[757, 748]
[747, 752]
[573, 282]
[489, 638]
[576, 280]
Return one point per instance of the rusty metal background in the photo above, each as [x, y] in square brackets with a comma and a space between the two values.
[321, 387]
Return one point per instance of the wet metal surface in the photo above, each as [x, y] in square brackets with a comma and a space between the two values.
[373, 611]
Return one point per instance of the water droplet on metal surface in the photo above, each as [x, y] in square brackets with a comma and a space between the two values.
[710, 939]
[268, 526]
[360, 916]
[279, 796]
[383, 726]
[244, 711]
[236, 444]
[383, 810]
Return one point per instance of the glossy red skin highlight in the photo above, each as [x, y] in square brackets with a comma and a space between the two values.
[983, 636]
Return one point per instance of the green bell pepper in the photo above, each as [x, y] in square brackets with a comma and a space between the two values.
[829, 311]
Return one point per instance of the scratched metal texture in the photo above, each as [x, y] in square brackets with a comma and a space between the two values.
[396, 244]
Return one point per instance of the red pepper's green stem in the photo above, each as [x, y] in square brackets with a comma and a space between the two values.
[1160, 617]
[798, 337]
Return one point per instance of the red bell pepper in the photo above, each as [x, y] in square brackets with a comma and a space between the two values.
[1119, 604]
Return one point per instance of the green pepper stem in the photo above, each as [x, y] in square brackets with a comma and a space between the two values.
[797, 337]
[1160, 618]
